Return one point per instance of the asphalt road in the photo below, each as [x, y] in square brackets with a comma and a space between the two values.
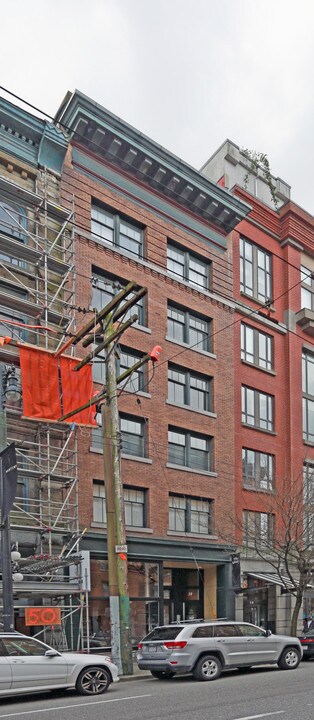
[260, 693]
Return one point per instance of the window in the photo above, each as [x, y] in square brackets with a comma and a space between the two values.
[187, 388]
[308, 396]
[256, 347]
[7, 329]
[258, 529]
[133, 435]
[24, 646]
[99, 502]
[188, 514]
[188, 328]
[109, 227]
[307, 288]
[257, 470]
[308, 496]
[134, 505]
[308, 483]
[189, 450]
[186, 266]
[12, 222]
[257, 409]
[137, 381]
[255, 271]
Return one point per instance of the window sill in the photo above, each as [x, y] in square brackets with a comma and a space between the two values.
[138, 393]
[249, 488]
[195, 349]
[310, 443]
[257, 300]
[258, 367]
[148, 461]
[191, 470]
[178, 533]
[256, 427]
[188, 407]
[129, 528]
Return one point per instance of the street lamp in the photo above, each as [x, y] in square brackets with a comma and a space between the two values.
[11, 387]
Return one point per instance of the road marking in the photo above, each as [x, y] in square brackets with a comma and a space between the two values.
[64, 707]
[253, 717]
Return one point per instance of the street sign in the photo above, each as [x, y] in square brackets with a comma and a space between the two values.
[121, 549]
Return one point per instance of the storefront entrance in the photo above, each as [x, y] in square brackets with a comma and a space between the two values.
[183, 594]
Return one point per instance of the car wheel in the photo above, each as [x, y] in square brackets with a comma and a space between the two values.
[290, 659]
[207, 668]
[93, 681]
[162, 674]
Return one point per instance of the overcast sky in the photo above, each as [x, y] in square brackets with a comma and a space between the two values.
[188, 73]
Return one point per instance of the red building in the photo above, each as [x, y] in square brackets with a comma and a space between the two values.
[273, 263]
[142, 214]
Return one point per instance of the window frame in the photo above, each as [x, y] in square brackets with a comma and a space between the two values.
[181, 514]
[188, 377]
[102, 497]
[257, 336]
[188, 449]
[188, 257]
[257, 417]
[186, 326]
[307, 287]
[307, 397]
[249, 267]
[256, 534]
[143, 435]
[139, 375]
[256, 482]
[118, 220]
[126, 501]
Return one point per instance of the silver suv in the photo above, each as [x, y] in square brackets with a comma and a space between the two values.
[206, 648]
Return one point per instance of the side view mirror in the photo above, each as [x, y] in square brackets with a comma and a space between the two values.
[268, 633]
[51, 653]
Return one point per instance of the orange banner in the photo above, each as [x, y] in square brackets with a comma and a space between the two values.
[77, 389]
[40, 384]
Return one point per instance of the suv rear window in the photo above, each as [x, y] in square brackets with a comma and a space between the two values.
[164, 633]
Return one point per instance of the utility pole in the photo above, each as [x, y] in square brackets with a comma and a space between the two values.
[106, 329]
[6, 567]
[121, 646]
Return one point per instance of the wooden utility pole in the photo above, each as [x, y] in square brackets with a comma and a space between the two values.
[121, 646]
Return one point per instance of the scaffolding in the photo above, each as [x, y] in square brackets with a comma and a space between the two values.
[37, 307]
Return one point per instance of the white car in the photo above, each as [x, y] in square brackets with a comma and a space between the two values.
[28, 665]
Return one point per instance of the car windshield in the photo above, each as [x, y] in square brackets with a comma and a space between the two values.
[164, 633]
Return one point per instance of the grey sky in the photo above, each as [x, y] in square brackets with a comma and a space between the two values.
[188, 73]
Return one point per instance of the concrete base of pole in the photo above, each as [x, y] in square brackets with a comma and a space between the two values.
[114, 606]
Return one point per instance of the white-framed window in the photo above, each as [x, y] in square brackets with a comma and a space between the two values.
[109, 227]
[184, 265]
[188, 388]
[257, 409]
[307, 288]
[308, 396]
[188, 514]
[133, 435]
[255, 271]
[258, 529]
[257, 470]
[256, 347]
[134, 505]
[99, 502]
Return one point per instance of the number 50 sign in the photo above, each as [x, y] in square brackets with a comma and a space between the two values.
[42, 616]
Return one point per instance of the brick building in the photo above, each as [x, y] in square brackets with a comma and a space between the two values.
[144, 215]
[273, 263]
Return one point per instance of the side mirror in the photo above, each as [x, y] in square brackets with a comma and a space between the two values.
[268, 633]
[51, 653]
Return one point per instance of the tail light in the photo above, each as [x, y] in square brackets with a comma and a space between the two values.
[140, 645]
[175, 645]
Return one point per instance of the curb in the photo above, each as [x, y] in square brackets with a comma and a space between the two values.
[136, 676]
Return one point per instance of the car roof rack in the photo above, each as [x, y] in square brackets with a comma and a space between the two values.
[198, 620]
